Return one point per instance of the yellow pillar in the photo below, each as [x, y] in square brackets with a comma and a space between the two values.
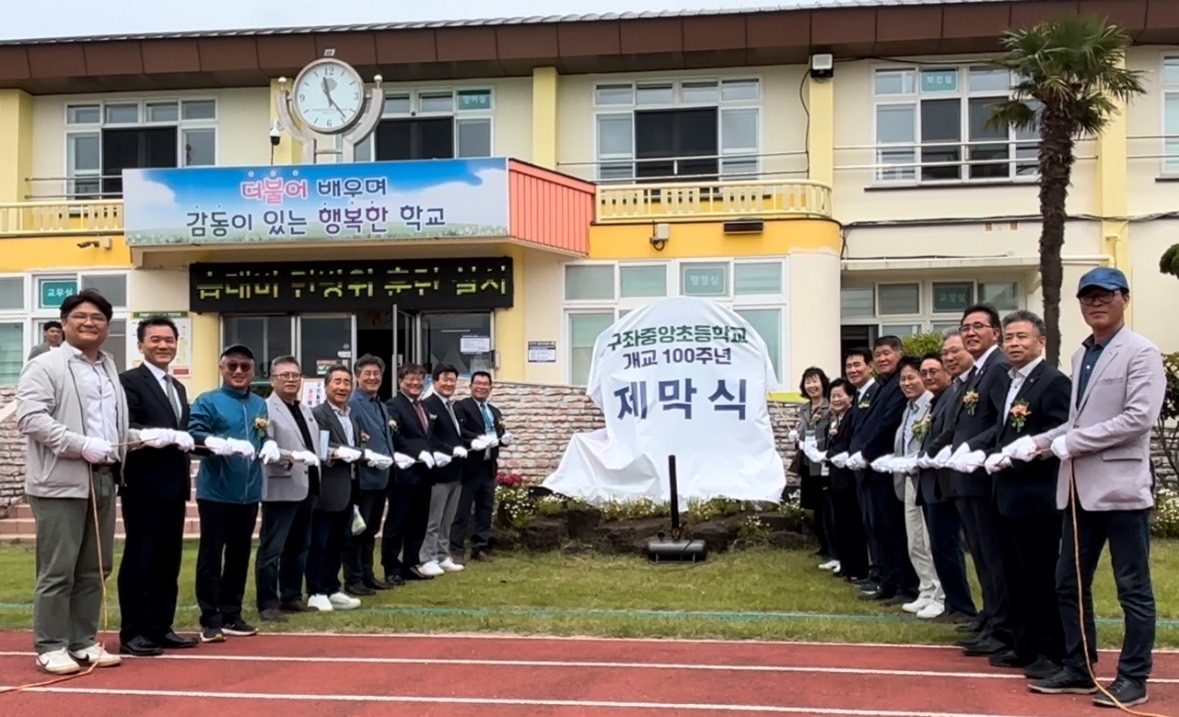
[544, 117]
[509, 324]
[16, 144]
[206, 352]
[288, 150]
[1112, 199]
[821, 139]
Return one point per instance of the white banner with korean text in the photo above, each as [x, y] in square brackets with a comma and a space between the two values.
[686, 377]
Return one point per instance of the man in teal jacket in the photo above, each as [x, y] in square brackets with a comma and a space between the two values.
[229, 424]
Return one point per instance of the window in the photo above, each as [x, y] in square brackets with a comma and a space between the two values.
[589, 282]
[113, 287]
[643, 281]
[584, 330]
[904, 309]
[708, 280]
[898, 299]
[461, 340]
[952, 297]
[757, 278]
[323, 340]
[1171, 115]
[12, 293]
[116, 343]
[12, 351]
[1004, 296]
[431, 124]
[103, 139]
[933, 123]
[768, 324]
[666, 130]
[857, 302]
[267, 336]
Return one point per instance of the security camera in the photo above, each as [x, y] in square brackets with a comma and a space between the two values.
[275, 135]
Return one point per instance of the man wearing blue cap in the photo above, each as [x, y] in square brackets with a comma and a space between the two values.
[1105, 488]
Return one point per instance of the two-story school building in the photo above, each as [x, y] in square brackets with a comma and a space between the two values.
[827, 172]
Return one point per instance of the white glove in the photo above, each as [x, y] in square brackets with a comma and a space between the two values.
[924, 461]
[460, 452]
[219, 446]
[376, 460]
[242, 448]
[813, 453]
[97, 450]
[1023, 449]
[156, 437]
[840, 461]
[857, 462]
[403, 461]
[507, 440]
[908, 466]
[480, 443]
[942, 459]
[183, 441]
[426, 458]
[1060, 448]
[997, 462]
[883, 464]
[441, 459]
[270, 453]
[358, 524]
[968, 462]
[346, 454]
[306, 457]
[492, 440]
[792, 436]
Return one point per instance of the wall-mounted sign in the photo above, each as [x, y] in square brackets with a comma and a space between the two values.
[478, 284]
[542, 352]
[54, 291]
[941, 80]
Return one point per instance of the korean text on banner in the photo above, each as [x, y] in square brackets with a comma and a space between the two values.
[684, 377]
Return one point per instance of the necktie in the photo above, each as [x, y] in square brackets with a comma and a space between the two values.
[417, 407]
[488, 421]
[450, 409]
[172, 397]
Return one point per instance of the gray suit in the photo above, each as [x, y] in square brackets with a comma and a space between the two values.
[287, 480]
[39, 349]
[921, 408]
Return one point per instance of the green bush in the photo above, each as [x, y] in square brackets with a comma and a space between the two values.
[921, 344]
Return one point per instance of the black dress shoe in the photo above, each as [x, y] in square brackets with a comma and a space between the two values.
[1009, 658]
[140, 647]
[375, 583]
[395, 580]
[359, 590]
[172, 641]
[879, 595]
[984, 648]
[1041, 669]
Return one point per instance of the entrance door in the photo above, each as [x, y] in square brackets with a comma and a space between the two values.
[406, 346]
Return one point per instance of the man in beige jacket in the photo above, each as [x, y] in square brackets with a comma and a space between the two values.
[73, 413]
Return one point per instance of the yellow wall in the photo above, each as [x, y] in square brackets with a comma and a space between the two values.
[16, 129]
[38, 253]
[544, 117]
[632, 241]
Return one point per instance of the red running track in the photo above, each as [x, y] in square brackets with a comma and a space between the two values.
[491, 676]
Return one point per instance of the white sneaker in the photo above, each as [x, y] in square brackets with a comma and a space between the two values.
[450, 566]
[431, 569]
[340, 601]
[58, 662]
[320, 603]
[917, 605]
[98, 655]
[932, 610]
[829, 565]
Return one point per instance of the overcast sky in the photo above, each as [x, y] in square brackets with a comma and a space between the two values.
[23, 19]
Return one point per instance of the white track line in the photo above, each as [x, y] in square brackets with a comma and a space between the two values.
[466, 662]
[489, 701]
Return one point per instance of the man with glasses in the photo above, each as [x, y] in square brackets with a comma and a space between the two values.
[231, 424]
[481, 426]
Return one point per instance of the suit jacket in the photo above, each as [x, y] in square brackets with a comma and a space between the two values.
[877, 428]
[977, 417]
[921, 408]
[1028, 489]
[817, 421]
[39, 349]
[445, 439]
[934, 483]
[373, 418]
[157, 474]
[411, 439]
[335, 477]
[288, 481]
[838, 442]
[1109, 433]
[471, 426]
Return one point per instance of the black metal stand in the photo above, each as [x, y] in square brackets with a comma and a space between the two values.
[676, 550]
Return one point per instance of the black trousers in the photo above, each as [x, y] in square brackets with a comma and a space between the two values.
[864, 498]
[329, 530]
[476, 503]
[825, 522]
[1031, 550]
[223, 559]
[1128, 535]
[405, 527]
[945, 530]
[889, 536]
[980, 524]
[282, 552]
[358, 549]
[149, 573]
[851, 548]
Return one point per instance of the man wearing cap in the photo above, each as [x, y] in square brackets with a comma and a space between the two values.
[1105, 488]
[230, 423]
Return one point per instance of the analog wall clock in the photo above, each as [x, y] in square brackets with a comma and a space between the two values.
[328, 96]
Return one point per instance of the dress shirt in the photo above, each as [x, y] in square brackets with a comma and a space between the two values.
[98, 391]
[910, 422]
[166, 386]
[344, 415]
[1018, 377]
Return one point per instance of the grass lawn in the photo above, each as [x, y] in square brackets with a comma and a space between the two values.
[756, 594]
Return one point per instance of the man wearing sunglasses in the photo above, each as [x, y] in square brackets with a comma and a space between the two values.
[230, 424]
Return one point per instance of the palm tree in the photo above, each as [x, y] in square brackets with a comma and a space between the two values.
[1072, 69]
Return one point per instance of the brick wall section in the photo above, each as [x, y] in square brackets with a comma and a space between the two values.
[542, 419]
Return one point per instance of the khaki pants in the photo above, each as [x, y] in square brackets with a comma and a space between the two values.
[919, 546]
[67, 602]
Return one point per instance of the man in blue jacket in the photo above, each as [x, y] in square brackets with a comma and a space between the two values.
[229, 423]
[374, 421]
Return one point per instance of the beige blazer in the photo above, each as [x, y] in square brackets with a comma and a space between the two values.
[923, 405]
[1108, 435]
[287, 481]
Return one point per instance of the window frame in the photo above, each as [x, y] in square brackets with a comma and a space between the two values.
[1169, 166]
[927, 318]
[367, 148]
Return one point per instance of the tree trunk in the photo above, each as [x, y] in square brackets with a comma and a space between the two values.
[1056, 160]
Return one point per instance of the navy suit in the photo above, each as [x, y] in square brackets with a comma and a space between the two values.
[409, 495]
[373, 418]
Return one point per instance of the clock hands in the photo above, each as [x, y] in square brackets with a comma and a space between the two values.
[327, 91]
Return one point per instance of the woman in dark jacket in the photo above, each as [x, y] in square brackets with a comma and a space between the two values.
[813, 420]
[851, 545]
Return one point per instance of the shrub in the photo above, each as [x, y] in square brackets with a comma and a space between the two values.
[1167, 435]
[921, 344]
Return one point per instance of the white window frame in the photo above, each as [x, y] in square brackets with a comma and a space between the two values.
[94, 129]
[366, 149]
[926, 318]
[750, 157]
[38, 315]
[1170, 142]
[20, 316]
[909, 172]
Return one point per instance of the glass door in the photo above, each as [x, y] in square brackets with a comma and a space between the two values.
[461, 340]
[406, 344]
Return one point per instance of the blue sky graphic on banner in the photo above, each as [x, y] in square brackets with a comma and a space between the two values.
[432, 199]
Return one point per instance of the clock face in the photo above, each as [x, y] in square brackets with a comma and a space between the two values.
[329, 97]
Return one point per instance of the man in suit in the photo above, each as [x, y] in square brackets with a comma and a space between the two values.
[1025, 496]
[857, 368]
[480, 423]
[963, 448]
[53, 336]
[449, 458]
[155, 491]
[409, 508]
[939, 374]
[873, 439]
[331, 518]
[1105, 488]
[373, 418]
[289, 487]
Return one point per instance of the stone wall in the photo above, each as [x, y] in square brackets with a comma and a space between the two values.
[12, 456]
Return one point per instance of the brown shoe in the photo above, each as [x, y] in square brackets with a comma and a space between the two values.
[297, 606]
[482, 556]
[272, 615]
